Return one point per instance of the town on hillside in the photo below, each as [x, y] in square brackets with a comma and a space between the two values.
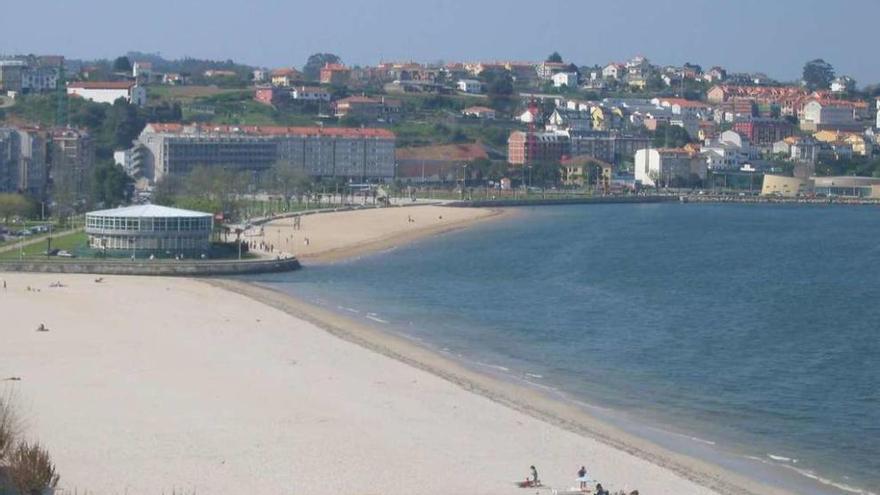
[76, 135]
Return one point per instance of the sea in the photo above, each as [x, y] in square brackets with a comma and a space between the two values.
[747, 335]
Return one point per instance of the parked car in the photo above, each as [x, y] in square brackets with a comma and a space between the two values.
[65, 254]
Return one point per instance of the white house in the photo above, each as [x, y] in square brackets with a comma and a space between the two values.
[842, 84]
[307, 93]
[569, 79]
[613, 71]
[729, 151]
[470, 86]
[109, 91]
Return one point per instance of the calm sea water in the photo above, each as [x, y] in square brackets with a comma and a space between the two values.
[746, 334]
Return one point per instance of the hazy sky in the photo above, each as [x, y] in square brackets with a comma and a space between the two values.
[772, 36]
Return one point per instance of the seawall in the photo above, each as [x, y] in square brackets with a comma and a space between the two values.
[561, 201]
[155, 268]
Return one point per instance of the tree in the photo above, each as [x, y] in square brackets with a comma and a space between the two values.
[122, 64]
[312, 69]
[499, 88]
[818, 74]
[288, 182]
[670, 136]
[111, 186]
[15, 205]
[554, 57]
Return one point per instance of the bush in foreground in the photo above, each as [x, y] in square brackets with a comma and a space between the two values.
[31, 469]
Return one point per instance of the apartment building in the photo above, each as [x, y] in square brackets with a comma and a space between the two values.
[763, 131]
[533, 147]
[175, 149]
[666, 166]
[23, 165]
[71, 157]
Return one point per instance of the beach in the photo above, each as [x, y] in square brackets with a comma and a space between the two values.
[159, 385]
[334, 236]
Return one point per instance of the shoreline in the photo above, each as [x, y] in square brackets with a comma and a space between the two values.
[520, 398]
[346, 249]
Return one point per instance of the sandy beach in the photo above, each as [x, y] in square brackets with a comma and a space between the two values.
[158, 385]
[333, 236]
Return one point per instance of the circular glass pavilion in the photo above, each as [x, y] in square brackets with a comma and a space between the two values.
[149, 229]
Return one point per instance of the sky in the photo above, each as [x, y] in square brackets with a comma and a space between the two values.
[772, 36]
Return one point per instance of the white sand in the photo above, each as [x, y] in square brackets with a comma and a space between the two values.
[343, 234]
[148, 385]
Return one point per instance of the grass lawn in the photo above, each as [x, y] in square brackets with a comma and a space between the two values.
[69, 242]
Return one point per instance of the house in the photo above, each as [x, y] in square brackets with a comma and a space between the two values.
[715, 75]
[613, 71]
[367, 108]
[109, 91]
[667, 166]
[259, 76]
[174, 79]
[532, 115]
[843, 84]
[479, 112]
[568, 79]
[859, 144]
[798, 149]
[309, 93]
[545, 70]
[268, 95]
[335, 74]
[471, 86]
[285, 77]
[212, 73]
[563, 119]
[582, 170]
[729, 151]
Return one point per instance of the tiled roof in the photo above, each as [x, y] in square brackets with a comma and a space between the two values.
[271, 130]
[444, 152]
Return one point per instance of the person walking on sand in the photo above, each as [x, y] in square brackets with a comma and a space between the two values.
[535, 480]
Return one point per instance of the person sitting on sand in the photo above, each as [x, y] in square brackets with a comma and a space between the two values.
[42, 328]
[600, 490]
[582, 476]
[535, 481]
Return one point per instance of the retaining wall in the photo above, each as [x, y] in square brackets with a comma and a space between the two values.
[155, 268]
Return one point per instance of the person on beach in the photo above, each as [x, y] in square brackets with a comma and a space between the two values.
[582, 476]
[535, 481]
[600, 490]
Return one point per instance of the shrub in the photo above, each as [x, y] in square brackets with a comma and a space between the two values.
[8, 427]
[31, 469]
